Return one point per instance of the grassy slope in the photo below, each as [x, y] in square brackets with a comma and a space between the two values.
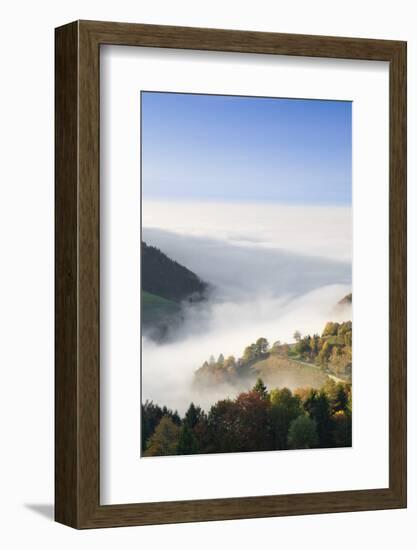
[155, 308]
[278, 371]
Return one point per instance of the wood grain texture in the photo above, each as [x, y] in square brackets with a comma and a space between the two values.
[66, 237]
[398, 274]
[78, 285]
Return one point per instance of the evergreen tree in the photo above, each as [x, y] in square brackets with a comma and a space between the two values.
[187, 443]
[342, 399]
[342, 429]
[318, 407]
[193, 415]
[151, 416]
[175, 417]
[285, 408]
[260, 388]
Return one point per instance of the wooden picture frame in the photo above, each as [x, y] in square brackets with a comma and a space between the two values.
[77, 374]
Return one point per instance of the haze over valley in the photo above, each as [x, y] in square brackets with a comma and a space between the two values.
[259, 284]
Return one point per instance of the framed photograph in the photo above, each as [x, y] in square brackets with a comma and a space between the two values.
[230, 274]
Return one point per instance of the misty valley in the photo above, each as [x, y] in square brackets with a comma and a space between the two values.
[286, 388]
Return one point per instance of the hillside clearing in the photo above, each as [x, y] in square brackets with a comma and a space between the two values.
[278, 372]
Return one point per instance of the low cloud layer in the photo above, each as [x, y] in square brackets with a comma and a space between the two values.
[322, 231]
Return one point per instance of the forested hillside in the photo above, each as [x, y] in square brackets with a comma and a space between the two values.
[168, 279]
[166, 285]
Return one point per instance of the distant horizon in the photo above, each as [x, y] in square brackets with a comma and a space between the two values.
[264, 202]
[216, 148]
[312, 230]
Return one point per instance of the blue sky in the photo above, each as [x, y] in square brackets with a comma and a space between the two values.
[230, 148]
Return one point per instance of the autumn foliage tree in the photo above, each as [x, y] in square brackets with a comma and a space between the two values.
[252, 421]
[151, 416]
[164, 440]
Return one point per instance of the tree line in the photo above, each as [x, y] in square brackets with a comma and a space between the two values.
[257, 420]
